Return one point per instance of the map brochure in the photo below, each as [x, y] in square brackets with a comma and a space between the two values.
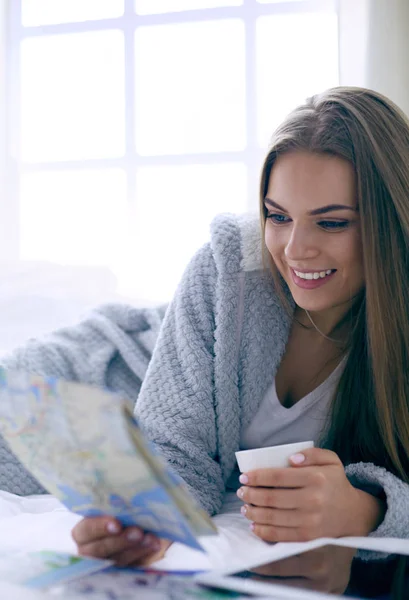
[83, 444]
[41, 570]
[62, 576]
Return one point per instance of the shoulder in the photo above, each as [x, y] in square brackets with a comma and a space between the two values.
[236, 242]
[214, 277]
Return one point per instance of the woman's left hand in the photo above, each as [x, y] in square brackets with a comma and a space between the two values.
[311, 499]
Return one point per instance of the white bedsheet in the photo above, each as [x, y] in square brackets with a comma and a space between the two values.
[43, 523]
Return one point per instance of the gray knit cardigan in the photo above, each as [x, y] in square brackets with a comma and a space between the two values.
[215, 352]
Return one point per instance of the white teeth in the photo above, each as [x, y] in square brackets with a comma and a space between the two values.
[313, 275]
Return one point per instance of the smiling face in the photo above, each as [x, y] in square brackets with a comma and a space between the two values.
[313, 230]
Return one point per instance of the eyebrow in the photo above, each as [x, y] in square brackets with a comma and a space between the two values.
[316, 211]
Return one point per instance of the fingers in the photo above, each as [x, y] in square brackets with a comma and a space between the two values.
[279, 478]
[281, 525]
[111, 546]
[314, 457]
[270, 533]
[151, 558]
[95, 528]
[270, 516]
[135, 556]
[144, 555]
[274, 498]
[104, 537]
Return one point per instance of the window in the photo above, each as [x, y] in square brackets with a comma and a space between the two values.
[133, 122]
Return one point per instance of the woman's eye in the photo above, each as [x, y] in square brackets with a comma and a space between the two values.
[333, 224]
[278, 219]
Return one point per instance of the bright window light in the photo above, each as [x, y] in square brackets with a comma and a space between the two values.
[134, 123]
[291, 64]
[50, 12]
[150, 7]
[74, 217]
[190, 101]
[72, 96]
[173, 210]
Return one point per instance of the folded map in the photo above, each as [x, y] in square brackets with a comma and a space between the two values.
[83, 444]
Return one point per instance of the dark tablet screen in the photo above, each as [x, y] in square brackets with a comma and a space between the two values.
[338, 570]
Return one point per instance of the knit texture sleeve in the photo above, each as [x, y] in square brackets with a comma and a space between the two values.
[373, 479]
[110, 348]
[63, 354]
[176, 402]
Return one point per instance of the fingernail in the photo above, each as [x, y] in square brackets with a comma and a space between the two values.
[297, 459]
[240, 492]
[243, 510]
[155, 546]
[243, 479]
[252, 526]
[134, 535]
[148, 542]
[113, 527]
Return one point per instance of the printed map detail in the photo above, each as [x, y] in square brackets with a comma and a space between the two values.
[45, 569]
[84, 446]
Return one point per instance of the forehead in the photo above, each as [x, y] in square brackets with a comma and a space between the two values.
[314, 180]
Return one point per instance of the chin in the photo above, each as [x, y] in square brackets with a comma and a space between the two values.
[314, 308]
[312, 305]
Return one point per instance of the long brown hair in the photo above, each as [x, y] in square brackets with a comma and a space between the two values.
[370, 410]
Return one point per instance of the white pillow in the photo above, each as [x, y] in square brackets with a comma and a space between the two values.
[37, 297]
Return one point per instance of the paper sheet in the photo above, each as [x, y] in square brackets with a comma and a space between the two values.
[54, 426]
[46, 569]
[17, 592]
[43, 523]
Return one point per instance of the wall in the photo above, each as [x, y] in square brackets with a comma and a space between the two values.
[2, 118]
[374, 47]
[8, 245]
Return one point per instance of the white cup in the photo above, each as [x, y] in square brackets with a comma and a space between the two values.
[269, 458]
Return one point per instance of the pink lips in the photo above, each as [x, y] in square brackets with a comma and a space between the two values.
[310, 284]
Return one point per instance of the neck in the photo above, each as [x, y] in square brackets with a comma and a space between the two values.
[325, 322]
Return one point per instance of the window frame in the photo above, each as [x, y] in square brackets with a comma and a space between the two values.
[14, 167]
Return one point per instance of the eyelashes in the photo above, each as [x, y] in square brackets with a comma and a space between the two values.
[278, 219]
[334, 224]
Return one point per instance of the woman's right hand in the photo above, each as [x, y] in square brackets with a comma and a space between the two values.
[105, 537]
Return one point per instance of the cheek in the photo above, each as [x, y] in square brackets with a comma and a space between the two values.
[350, 253]
[272, 241]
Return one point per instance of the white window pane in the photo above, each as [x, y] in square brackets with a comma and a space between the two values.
[74, 217]
[276, 1]
[190, 93]
[174, 208]
[150, 7]
[297, 56]
[48, 12]
[72, 96]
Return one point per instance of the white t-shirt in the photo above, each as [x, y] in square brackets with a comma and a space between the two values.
[273, 424]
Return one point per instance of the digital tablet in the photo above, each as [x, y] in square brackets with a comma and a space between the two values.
[331, 570]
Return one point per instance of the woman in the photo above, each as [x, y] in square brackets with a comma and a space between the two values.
[296, 333]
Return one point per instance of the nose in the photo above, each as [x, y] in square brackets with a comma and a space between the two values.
[301, 244]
